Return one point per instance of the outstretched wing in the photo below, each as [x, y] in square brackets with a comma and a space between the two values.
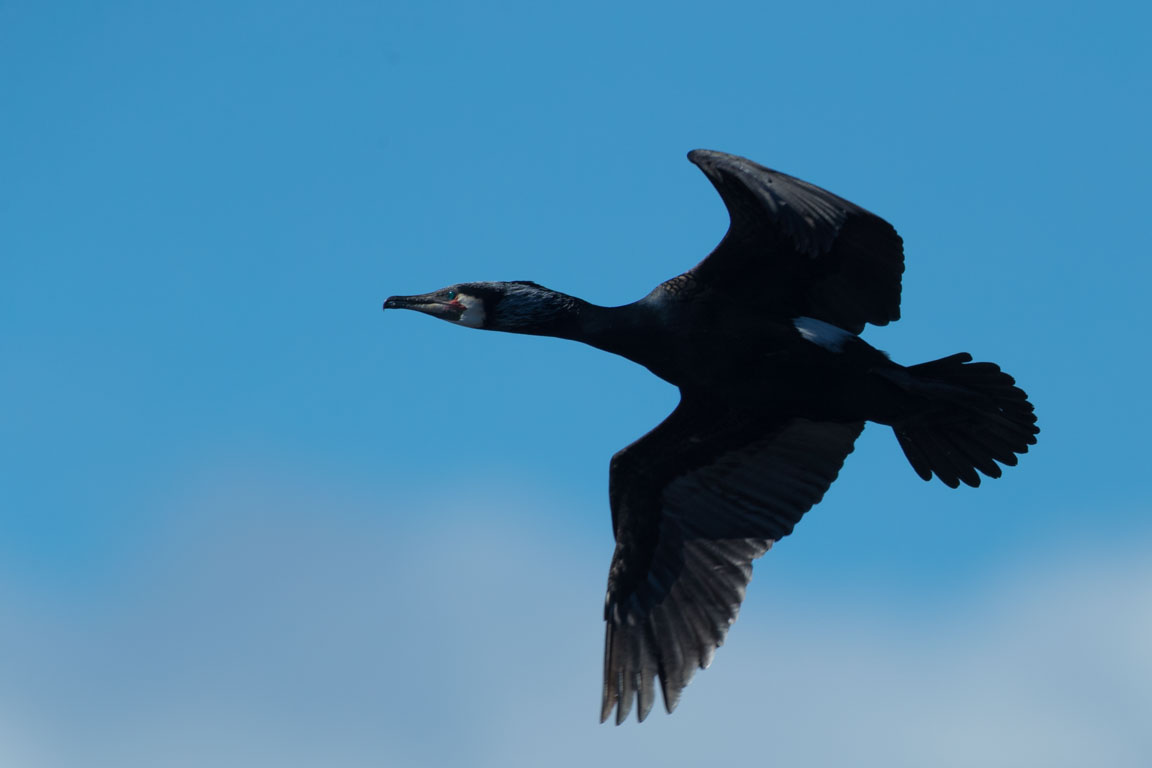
[694, 502]
[800, 249]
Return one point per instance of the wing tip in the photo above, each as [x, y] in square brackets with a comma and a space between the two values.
[706, 159]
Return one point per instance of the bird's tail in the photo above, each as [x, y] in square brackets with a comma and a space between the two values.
[967, 417]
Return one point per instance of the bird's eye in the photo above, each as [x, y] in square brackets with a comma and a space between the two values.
[448, 295]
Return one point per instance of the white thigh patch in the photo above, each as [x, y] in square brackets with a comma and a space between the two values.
[823, 334]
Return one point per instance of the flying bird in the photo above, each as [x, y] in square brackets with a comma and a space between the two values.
[762, 340]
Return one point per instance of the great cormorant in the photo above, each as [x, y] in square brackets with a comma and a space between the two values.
[775, 386]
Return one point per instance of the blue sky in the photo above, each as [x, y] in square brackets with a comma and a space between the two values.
[247, 519]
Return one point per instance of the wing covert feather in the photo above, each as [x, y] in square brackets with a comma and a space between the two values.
[799, 248]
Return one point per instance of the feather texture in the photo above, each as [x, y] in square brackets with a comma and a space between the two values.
[694, 503]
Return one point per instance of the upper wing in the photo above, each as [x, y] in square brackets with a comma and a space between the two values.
[800, 249]
[694, 502]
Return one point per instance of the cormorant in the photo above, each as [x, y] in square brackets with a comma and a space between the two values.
[761, 338]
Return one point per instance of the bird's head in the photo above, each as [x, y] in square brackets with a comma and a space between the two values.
[460, 304]
[516, 307]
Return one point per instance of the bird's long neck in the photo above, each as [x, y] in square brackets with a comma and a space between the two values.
[629, 331]
[634, 331]
[612, 329]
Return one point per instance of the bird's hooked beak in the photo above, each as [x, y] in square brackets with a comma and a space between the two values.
[433, 304]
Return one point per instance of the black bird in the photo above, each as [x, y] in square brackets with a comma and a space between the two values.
[775, 385]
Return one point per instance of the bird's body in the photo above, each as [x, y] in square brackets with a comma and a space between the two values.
[762, 362]
[762, 340]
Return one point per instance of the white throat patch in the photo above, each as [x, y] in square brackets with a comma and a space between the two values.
[823, 334]
[473, 316]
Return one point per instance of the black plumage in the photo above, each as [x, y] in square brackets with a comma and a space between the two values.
[775, 384]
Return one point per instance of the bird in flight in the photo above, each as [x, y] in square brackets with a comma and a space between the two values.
[762, 340]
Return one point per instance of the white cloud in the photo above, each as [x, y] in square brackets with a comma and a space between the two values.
[272, 633]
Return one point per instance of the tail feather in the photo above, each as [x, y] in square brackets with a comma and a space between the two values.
[968, 417]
